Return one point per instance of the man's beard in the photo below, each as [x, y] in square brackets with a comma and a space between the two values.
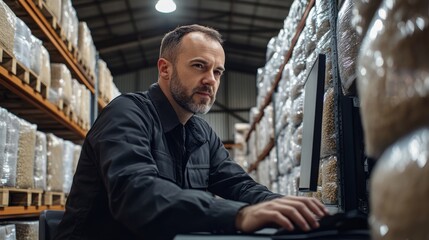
[180, 96]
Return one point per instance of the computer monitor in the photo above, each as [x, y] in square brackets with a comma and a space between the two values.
[312, 125]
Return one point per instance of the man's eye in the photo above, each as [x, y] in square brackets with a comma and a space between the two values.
[198, 65]
[218, 73]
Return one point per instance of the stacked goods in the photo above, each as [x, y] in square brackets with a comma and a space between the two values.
[69, 22]
[85, 107]
[392, 84]
[40, 62]
[54, 170]
[40, 161]
[7, 27]
[240, 132]
[68, 150]
[8, 158]
[75, 105]
[348, 43]
[322, 19]
[22, 43]
[399, 189]
[8, 232]
[55, 7]
[86, 47]
[105, 81]
[26, 150]
[61, 84]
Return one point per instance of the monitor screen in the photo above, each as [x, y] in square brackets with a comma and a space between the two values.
[312, 125]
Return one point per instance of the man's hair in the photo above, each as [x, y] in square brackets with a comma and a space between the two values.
[171, 42]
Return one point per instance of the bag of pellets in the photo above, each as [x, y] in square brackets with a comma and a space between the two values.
[399, 190]
[393, 73]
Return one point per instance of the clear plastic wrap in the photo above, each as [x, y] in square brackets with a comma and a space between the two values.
[297, 110]
[3, 135]
[330, 193]
[36, 57]
[348, 43]
[328, 139]
[310, 33]
[40, 161]
[8, 232]
[68, 149]
[298, 56]
[102, 78]
[86, 46]
[26, 149]
[399, 190]
[61, 83]
[273, 168]
[45, 67]
[22, 44]
[76, 100]
[76, 154]
[296, 147]
[7, 26]
[322, 18]
[329, 170]
[393, 73]
[54, 170]
[363, 13]
[26, 230]
[10, 156]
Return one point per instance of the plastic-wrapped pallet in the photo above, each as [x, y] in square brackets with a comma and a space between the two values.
[26, 149]
[393, 73]
[54, 170]
[75, 105]
[26, 230]
[3, 135]
[36, 57]
[22, 43]
[348, 43]
[61, 83]
[45, 68]
[399, 189]
[8, 232]
[322, 18]
[102, 66]
[40, 161]
[8, 159]
[76, 154]
[55, 7]
[68, 150]
[86, 46]
[7, 27]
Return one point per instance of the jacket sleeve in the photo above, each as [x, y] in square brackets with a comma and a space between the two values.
[148, 205]
[229, 180]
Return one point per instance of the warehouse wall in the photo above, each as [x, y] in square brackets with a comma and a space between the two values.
[237, 91]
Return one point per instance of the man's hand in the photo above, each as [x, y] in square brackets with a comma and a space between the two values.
[285, 212]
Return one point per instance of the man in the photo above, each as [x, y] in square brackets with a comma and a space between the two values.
[149, 167]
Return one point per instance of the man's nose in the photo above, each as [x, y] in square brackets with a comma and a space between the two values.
[209, 78]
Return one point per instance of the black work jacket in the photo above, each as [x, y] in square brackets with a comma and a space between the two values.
[143, 175]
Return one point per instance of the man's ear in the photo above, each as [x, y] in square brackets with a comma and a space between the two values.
[164, 68]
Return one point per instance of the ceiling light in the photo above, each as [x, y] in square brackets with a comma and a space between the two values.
[165, 6]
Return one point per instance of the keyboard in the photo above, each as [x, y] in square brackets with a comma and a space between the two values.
[349, 225]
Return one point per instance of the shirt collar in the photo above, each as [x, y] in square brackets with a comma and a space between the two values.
[166, 113]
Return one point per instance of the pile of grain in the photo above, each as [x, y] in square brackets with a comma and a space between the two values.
[399, 189]
[7, 27]
[25, 163]
[40, 161]
[392, 74]
[54, 170]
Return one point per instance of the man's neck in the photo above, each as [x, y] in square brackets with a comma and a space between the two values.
[182, 114]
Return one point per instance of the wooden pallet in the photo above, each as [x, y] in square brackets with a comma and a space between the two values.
[20, 197]
[54, 198]
[8, 61]
[26, 75]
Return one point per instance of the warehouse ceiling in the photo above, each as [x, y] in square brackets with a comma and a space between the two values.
[127, 33]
